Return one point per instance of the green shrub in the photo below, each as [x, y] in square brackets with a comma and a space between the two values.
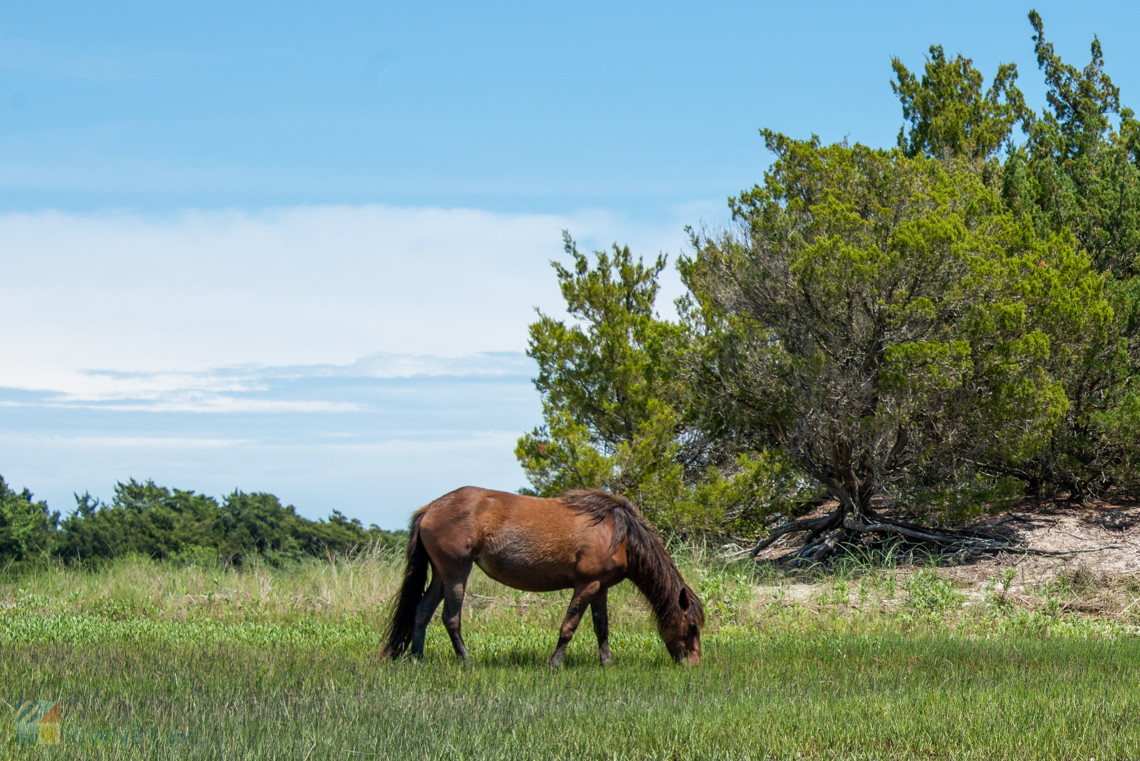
[26, 527]
[929, 593]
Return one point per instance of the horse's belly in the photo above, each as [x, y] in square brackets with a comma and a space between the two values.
[532, 577]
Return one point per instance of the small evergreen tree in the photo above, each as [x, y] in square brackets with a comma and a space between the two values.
[618, 409]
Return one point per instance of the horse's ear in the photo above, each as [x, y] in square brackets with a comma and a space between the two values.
[684, 600]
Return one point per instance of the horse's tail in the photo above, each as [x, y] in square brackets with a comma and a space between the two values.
[402, 625]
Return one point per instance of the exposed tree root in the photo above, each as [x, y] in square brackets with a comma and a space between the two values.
[827, 533]
[828, 545]
[815, 525]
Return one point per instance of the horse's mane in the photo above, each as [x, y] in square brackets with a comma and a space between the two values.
[648, 565]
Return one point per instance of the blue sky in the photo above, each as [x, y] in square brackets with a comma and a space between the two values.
[295, 247]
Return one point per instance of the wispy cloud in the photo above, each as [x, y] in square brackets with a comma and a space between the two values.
[135, 442]
[254, 388]
[322, 436]
[93, 66]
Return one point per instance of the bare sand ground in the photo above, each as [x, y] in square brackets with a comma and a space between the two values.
[1100, 578]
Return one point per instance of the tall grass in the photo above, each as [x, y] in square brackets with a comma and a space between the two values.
[161, 661]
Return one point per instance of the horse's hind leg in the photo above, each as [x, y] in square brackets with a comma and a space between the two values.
[583, 596]
[601, 616]
[424, 611]
[454, 586]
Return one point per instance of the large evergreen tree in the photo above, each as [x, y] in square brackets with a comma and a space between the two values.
[1076, 174]
[889, 324]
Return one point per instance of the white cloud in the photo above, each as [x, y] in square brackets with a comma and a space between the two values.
[383, 365]
[366, 359]
[300, 286]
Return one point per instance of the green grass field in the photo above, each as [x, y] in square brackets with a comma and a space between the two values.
[155, 661]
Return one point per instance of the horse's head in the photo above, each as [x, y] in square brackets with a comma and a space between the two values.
[684, 638]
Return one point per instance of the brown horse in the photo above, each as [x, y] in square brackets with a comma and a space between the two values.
[586, 541]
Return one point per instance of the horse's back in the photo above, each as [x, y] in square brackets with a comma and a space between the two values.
[525, 542]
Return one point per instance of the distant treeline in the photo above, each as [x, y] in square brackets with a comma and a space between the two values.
[171, 524]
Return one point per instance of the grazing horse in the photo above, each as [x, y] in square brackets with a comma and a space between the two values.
[585, 540]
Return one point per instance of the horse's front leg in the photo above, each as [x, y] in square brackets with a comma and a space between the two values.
[601, 616]
[583, 596]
